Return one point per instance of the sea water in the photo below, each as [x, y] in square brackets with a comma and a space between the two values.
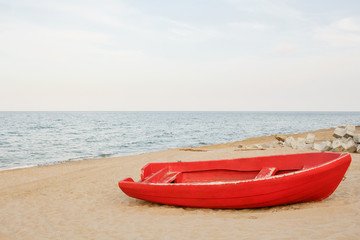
[41, 138]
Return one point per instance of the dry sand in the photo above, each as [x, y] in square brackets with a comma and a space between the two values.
[81, 200]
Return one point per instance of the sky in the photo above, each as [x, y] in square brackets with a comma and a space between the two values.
[189, 55]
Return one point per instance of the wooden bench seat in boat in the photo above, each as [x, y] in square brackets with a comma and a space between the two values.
[266, 172]
[162, 176]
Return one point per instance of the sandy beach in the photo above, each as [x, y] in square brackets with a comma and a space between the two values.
[81, 200]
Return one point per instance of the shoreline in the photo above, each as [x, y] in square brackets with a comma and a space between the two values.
[80, 199]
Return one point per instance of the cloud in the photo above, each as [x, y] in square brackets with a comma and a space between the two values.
[342, 33]
[277, 9]
[285, 48]
[348, 24]
[29, 39]
[31, 53]
[250, 25]
[195, 35]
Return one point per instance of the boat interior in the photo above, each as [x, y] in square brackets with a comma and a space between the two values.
[232, 169]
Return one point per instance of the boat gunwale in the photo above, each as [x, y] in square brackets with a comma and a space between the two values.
[341, 156]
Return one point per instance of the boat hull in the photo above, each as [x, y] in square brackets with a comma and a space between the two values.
[313, 184]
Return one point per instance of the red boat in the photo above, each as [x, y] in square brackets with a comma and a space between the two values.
[241, 183]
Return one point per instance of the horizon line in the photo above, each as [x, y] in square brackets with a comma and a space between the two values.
[179, 110]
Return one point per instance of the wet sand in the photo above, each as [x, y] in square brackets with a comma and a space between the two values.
[81, 200]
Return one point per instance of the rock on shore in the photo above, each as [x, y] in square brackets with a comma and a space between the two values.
[346, 140]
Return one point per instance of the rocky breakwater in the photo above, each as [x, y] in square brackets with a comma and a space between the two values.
[345, 139]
